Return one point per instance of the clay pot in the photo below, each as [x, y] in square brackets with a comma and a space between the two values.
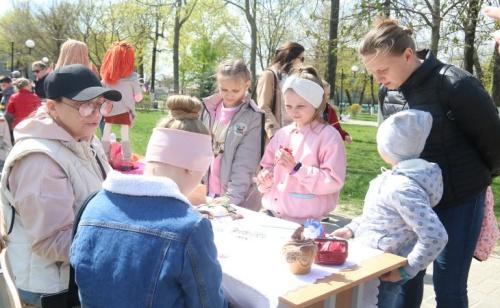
[300, 256]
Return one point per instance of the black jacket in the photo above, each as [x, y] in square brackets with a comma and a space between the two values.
[465, 136]
[39, 87]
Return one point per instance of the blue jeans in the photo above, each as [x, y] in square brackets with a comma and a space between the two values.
[388, 293]
[30, 298]
[451, 268]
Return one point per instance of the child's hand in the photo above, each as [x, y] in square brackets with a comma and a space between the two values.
[392, 276]
[344, 233]
[264, 180]
[285, 159]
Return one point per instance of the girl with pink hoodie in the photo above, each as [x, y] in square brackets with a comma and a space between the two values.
[304, 164]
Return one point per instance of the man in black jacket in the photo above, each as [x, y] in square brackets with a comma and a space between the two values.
[464, 142]
[40, 70]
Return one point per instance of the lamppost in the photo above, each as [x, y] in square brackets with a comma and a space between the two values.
[341, 90]
[354, 70]
[30, 44]
[11, 56]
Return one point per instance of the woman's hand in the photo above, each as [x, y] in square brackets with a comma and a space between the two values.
[348, 139]
[344, 233]
[392, 276]
[285, 159]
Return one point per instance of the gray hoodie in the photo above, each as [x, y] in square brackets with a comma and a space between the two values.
[398, 216]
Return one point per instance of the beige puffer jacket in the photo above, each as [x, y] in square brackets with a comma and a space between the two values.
[38, 245]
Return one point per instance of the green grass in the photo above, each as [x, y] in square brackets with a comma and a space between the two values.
[365, 117]
[139, 135]
[363, 162]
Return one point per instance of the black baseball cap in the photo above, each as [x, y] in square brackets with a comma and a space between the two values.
[78, 83]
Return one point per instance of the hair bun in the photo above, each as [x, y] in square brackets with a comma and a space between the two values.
[386, 22]
[184, 107]
[408, 31]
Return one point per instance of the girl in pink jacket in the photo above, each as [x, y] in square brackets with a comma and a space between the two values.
[304, 163]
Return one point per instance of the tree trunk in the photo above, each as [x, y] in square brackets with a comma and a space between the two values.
[250, 13]
[141, 67]
[153, 55]
[470, 34]
[387, 8]
[477, 67]
[436, 24]
[495, 80]
[363, 87]
[332, 46]
[175, 59]
[348, 95]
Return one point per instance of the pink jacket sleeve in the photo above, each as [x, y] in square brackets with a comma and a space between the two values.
[44, 199]
[268, 159]
[329, 177]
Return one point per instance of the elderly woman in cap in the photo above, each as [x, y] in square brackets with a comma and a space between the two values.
[141, 228]
[54, 165]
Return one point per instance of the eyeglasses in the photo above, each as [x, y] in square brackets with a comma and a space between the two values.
[88, 108]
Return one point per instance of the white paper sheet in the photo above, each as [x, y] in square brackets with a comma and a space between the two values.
[255, 271]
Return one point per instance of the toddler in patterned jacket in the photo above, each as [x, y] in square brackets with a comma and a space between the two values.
[397, 214]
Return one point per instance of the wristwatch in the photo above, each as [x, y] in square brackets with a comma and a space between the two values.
[296, 168]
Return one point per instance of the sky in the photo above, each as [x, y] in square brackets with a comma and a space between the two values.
[6, 5]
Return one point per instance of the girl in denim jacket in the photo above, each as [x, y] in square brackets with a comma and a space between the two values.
[139, 241]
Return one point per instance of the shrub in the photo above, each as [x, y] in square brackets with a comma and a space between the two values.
[355, 109]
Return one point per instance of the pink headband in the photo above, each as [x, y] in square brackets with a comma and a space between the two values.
[180, 148]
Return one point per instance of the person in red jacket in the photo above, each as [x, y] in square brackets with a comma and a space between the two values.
[330, 116]
[22, 103]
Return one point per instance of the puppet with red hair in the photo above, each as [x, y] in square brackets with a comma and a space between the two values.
[117, 72]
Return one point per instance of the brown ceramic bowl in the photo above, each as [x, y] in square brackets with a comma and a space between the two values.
[300, 255]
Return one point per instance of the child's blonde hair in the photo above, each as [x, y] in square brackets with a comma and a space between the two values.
[21, 83]
[234, 69]
[184, 114]
[73, 52]
[310, 73]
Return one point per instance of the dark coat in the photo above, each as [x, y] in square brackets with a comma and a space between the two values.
[465, 136]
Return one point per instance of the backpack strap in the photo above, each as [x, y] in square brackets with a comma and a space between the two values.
[262, 134]
[275, 83]
[442, 94]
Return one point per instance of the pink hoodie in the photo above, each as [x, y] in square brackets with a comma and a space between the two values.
[313, 191]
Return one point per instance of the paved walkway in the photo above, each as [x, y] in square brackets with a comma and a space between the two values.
[484, 277]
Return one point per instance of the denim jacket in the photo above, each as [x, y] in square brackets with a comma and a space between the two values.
[140, 244]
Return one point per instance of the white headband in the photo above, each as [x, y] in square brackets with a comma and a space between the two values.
[307, 89]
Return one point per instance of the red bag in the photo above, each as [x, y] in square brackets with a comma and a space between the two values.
[115, 155]
[331, 251]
